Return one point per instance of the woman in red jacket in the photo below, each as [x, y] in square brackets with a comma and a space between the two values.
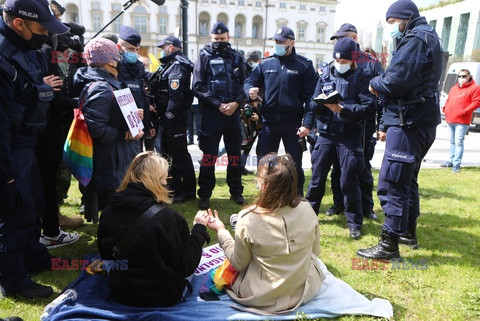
[462, 100]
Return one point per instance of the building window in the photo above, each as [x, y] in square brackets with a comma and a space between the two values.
[258, 4]
[447, 27]
[476, 43]
[222, 17]
[319, 59]
[433, 23]
[303, 7]
[241, 2]
[281, 23]
[462, 35]
[204, 24]
[257, 27]
[321, 33]
[240, 26]
[283, 5]
[117, 24]
[204, 1]
[162, 25]
[72, 14]
[223, 1]
[97, 21]
[162, 9]
[322, 9]
[301, 31]
[140, 19]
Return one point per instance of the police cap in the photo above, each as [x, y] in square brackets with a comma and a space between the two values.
[344, 49]
[130, 35]
[170, 40]
[35, 10]
[343, 31]
[283, 34]
[219, 28]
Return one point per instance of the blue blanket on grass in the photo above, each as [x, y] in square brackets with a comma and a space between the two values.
[334, 299]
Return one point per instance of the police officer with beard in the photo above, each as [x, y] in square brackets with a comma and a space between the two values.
[410, 118]
[24, 102]
[218, 80]
[173, 99]
[134, 76]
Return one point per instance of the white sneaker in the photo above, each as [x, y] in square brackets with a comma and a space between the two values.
[63, 238]
[233, 221]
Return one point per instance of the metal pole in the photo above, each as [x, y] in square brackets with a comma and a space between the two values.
[184, 4]
[266, 27]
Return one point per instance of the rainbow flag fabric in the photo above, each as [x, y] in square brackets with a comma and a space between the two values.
[78, 149]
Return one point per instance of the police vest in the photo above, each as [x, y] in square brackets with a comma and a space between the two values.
[221, 78]
[28, 111]
[129, 79]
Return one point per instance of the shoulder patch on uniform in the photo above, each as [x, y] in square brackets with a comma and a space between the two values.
[174, 83]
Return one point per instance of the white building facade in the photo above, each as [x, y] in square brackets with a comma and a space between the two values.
[458, 26]
[251, 22]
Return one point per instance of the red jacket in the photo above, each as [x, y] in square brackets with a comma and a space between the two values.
[461, 103]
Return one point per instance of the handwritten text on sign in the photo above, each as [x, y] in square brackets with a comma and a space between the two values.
[129, 110]
[212, 257]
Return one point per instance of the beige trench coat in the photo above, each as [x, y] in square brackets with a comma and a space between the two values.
[276, 255]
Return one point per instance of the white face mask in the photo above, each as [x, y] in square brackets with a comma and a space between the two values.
[462, 81]
[342, 68]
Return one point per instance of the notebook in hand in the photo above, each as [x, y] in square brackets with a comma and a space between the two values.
[332, 98]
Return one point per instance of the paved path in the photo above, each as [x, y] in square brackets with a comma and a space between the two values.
[438, 153]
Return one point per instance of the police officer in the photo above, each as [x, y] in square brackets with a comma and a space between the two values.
[134, 76]
[288, 81]
[23, 106]
[173, 99]
[218, 80]
[373, 66]
[410, 119]
[340, 129]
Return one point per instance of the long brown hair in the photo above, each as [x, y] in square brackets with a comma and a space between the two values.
[279, 177]
[148, 168]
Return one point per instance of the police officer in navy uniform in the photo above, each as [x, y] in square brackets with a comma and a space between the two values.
[134, 76]
[288, 81]
[218, 80]
[410, 118]
[24, 102]
[340, 132]
[173, 99]
[373, 66]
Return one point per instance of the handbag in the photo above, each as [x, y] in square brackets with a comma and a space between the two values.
[78, 148]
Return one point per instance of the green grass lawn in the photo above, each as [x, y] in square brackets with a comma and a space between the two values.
[448, 233]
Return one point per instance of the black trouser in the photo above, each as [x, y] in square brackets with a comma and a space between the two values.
[174, 147]
[48, 172]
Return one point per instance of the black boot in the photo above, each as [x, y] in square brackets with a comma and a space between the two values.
[409, 238]
[386, 249]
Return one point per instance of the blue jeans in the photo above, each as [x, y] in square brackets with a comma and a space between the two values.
[457, 135]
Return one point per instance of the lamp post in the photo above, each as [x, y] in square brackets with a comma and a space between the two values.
[184, 6]
[266, 26]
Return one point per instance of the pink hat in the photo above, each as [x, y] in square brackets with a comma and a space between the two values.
[100, 51]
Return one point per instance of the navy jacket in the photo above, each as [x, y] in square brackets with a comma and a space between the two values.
[288, 83]
[202, 74]
[134, 76]
[24, 98]
[359, 104]
[173, 96]
[112, 154]
[414, 73]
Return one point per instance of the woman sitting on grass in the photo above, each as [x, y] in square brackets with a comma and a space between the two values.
[276, 245]
[164, 252]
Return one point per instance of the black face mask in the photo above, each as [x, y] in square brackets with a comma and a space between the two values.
[221, 46]
[37, 40]
[119, 66]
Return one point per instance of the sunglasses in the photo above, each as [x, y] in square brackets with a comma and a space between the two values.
[462, 76]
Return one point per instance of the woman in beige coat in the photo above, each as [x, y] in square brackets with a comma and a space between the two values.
[276, 245]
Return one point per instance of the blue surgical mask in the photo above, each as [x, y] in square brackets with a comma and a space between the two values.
[394, 30]
[130, 57]
[254, 65]
[280, 50]
[342, 68]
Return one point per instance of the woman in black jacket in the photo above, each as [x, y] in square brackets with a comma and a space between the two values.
[164, 252]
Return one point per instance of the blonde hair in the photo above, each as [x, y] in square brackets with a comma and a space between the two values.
[148, 168]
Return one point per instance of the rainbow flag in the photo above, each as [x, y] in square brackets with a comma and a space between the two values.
[78, 149]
